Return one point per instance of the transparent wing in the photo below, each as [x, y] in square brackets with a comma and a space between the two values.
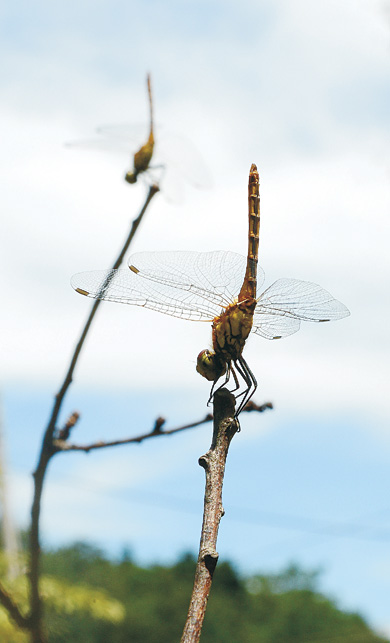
[126, 287]
[282, 307]
[216, 276]
[179, 153]
[131, 133]
[189, 285]
[104, 144]
[171, 149]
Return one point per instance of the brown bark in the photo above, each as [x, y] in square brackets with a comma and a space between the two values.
[213, 462]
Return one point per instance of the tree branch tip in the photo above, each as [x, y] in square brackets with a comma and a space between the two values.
[154, 188]
[225, 396]
[64, 433]
[252, 406]
[159, 423]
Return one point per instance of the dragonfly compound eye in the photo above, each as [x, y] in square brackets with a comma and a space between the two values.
[210, 366]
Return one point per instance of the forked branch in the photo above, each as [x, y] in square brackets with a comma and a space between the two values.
[48, 450]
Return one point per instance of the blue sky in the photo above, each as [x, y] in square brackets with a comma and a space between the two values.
[301, 89]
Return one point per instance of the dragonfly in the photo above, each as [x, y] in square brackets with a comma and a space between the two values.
[173, 151]
[218, 287]
[142, 158]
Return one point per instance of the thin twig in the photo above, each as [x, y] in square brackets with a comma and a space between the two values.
[213, 462]
[48, 450]
[61, 445]
[260, 408]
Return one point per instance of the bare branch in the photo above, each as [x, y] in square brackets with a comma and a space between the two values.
[48, 449]
[213, 462]
[62, 446]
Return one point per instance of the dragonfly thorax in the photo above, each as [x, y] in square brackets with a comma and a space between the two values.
[231, 329]
[142, 159]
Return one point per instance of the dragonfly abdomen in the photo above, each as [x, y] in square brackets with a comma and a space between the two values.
[248, 288]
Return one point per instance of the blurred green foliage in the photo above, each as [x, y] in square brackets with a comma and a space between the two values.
[280, 608]
[63, 600]
[91, 599]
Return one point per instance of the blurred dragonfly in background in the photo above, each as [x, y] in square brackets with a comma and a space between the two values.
[159, 160]
[221, 288]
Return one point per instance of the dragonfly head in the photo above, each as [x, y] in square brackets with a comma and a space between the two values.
[210, 365]
[131, 177]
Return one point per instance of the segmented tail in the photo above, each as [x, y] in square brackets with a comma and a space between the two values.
[150, 105]
[248, 289]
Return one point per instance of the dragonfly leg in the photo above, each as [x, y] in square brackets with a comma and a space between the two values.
[249, 380]
[225, 381]
[236, 382]
[245, 376]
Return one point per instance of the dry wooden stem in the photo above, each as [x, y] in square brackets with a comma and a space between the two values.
[48, 450]
[213, 462]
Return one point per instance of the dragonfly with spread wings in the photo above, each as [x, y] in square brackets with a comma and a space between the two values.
[156, 160]
[218, 287]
